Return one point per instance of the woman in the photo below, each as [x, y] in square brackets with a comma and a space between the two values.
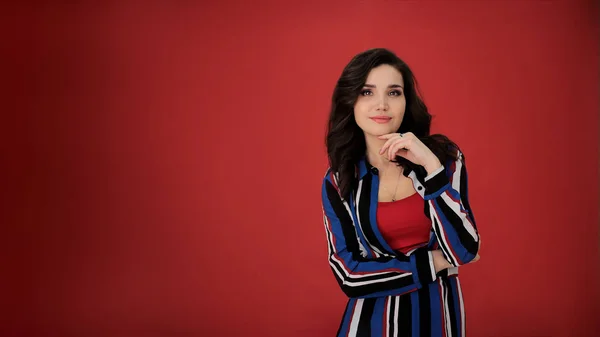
[396, 212]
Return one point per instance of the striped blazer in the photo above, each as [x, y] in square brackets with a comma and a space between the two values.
[391, 293]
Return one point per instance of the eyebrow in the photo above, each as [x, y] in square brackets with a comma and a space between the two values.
[389, 86]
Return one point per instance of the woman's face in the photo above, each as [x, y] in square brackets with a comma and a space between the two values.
[380, 106]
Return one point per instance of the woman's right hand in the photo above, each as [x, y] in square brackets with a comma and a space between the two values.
[440, 262]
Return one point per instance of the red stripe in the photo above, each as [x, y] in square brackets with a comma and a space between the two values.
[385, 320]
[460, 206]
[452, 198]
[453, 168]
[455, 200]
[373, 253]
[462, 210]
[446, 236]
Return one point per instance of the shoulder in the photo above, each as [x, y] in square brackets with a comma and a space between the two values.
[330, 185]
[454, 154]
[455, 164]
[330, 177]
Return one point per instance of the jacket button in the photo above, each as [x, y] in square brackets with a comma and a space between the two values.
[420, 188]
[374, 170]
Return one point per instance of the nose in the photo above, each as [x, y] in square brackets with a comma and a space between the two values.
[382, 105]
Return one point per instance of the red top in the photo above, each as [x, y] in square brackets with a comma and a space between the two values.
[403, 223]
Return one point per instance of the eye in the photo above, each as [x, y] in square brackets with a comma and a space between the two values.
[395, 93]
[366, 92]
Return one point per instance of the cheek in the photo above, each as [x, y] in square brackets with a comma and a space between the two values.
[361, 113]
[361, 110]
[399, 106]
[399, 102]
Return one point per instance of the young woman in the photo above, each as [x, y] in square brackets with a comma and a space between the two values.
[395, 203]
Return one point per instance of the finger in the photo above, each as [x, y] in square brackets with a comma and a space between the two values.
[384, 147]
[401, 148]
[394, 148]
[388, 143]
[400, 153]
[388, 135]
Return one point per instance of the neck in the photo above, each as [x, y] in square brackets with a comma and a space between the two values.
[374, 145]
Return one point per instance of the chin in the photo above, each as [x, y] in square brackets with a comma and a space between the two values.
[387, 129]
[378, 130]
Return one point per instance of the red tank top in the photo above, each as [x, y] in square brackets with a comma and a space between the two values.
[403, 224]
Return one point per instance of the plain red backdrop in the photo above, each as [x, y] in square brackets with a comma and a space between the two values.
[163, 161]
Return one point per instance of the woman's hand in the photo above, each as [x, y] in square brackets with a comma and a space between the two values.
[440, 262]
[408, 146]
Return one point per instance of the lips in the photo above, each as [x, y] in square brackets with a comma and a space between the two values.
[381, 119]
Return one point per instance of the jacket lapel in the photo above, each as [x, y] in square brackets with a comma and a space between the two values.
[366, 201]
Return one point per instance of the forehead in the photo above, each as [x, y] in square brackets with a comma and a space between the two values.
[384, 74]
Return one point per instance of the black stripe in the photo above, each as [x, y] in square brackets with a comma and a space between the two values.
[405, 316]
[352, 246]
[364, 207]
[364, 323]
[329, 234]
[456, 222]
[366, 278]
[426, 209]
[391, 318]
[345, 220]
[441, 242]
[424, 311]
[450, 304]
[464, 188]
[339, 268]
[424, 271]
[359, 291]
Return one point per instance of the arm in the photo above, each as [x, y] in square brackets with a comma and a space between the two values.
[453, 220]
[360, 277]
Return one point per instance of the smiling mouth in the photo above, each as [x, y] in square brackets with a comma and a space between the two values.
[381, 119]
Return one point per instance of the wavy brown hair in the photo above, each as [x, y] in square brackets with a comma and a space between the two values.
[345, 140]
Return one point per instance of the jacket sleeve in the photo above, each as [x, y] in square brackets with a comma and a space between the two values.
[453, 221]
[361, 277]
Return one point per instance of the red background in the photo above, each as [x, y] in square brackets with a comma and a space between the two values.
[163, 161]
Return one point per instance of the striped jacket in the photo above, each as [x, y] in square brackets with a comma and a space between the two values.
[390, 293]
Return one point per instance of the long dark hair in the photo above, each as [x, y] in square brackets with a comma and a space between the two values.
[345, 140]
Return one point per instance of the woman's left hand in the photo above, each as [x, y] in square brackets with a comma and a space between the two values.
[410, 147]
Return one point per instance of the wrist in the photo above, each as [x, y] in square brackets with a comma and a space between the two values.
[432, 165]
